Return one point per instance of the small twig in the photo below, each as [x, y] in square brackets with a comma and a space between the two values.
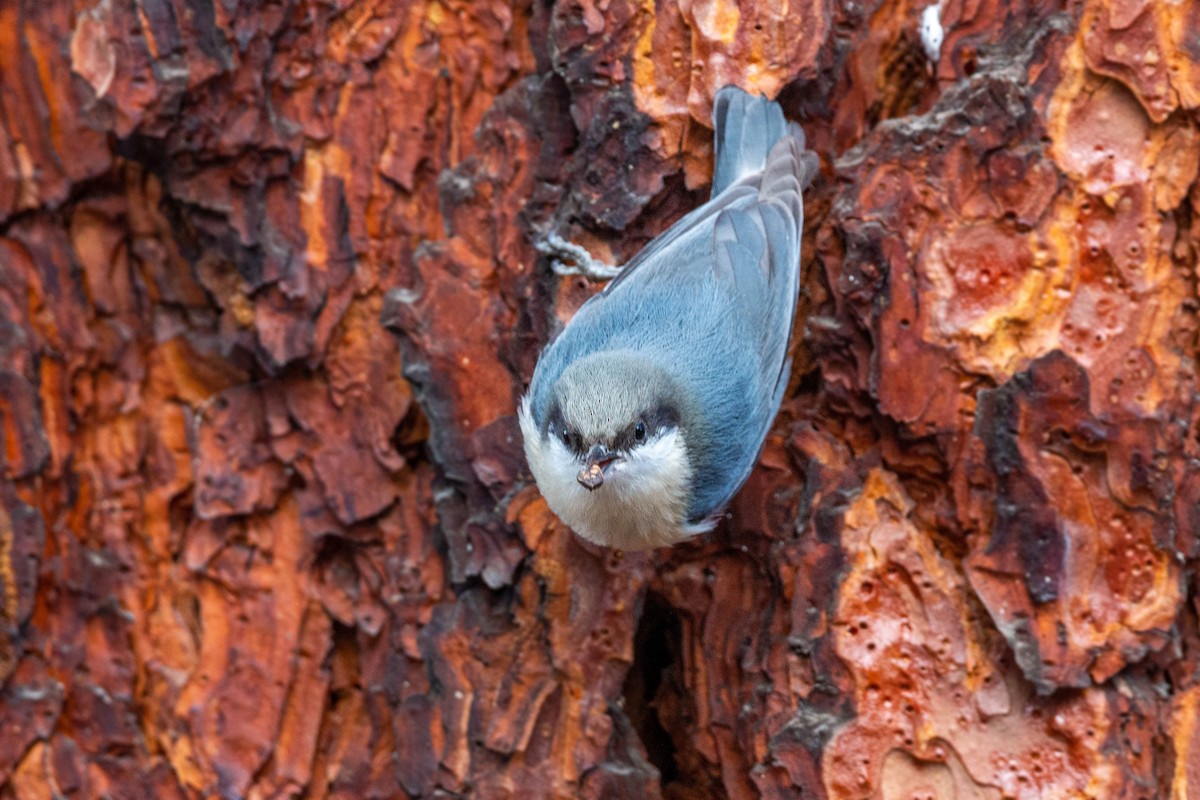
[568, 258]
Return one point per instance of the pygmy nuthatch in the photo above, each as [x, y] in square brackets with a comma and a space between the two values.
[647, 413]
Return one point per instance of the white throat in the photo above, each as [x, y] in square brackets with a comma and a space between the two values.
[642, 502]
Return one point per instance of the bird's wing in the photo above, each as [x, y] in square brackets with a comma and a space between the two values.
[743, 246]
[756, 261]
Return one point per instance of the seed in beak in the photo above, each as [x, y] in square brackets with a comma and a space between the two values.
[591, 477]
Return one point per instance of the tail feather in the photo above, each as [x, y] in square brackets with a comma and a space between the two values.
[746, 127]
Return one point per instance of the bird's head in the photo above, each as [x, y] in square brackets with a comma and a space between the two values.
[610, 454]
[610, 414]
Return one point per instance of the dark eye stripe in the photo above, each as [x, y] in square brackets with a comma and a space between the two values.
[554, 420]
[663, 416]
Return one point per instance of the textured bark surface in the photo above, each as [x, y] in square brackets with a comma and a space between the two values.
[254, 545]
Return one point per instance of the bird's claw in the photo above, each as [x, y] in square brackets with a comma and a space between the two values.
[568, 258]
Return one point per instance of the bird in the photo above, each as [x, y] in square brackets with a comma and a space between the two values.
[647, 412]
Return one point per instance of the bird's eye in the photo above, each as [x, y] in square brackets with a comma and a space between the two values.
[565, 435]
[639, 431]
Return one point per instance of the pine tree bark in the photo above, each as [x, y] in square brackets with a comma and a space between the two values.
[254, 545]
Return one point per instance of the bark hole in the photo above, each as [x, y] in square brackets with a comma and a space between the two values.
[656, 655]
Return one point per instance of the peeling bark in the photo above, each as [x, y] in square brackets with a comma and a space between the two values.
[254, 545]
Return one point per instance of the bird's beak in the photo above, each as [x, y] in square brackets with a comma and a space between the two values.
[599, 459]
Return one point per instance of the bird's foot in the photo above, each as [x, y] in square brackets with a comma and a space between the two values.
[568, 258]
